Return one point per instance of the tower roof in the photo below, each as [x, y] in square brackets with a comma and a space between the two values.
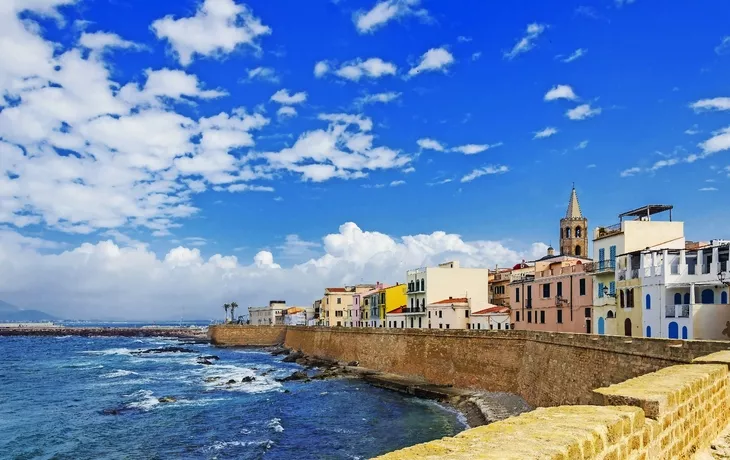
[573, 207]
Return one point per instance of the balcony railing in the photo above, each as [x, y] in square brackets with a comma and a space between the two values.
[414, 310]
[601, 266]
[609, 230]
[634, 273]
[622, 275]
[676, 311]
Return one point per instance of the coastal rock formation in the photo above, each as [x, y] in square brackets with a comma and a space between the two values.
[248, 379]
[293, 357]
[164, 350]
[298, 375]
[167, 399]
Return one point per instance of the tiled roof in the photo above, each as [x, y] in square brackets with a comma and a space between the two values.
[335, 289]
[448, 301]
[494, 309]
[396, 311]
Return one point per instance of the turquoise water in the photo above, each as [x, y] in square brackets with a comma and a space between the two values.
[78, 398]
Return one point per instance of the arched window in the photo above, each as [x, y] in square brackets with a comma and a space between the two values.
[673, 330]
[567, 232]
[601, 327]
[677, 299]
[577, 250]
[648, 302]
[411, 302]
[621, 299]
[577, 232]
[708, 296]
[648, 331]
[423, 284]
[609, 315]
[723, 298]
[627, 327]
[418, 285]
[684, 332]
[686, 298]
[423, 303]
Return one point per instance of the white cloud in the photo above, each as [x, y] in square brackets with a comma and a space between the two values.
[547, 132]
[286, 112]
[717, 103]
[435, 59]
[527, 42]
[385, 11]
[724, 45]
[560, 92]
[371, 68]
[692, 131]
[382, 98]
[409, 170]
[581, 145]
[430, 144]
[166, 83]
[630, 172]
[283, 97]
[475, 56]
[113, 281]
[708, 189]
[463, 39]
[582, 112]
[217, 29]
[577, 54]
[321, 68]
[591, 166]
[719, 142]
[263, 74]
[488, 170]
[396, 183]
[98, 41]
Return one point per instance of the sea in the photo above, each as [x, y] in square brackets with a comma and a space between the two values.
[98, 398]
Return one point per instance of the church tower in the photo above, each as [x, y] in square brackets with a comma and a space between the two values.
[574, 230]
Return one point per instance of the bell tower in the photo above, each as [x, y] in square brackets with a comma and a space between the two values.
[574, 230]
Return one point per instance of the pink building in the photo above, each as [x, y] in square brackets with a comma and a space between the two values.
[557, 297]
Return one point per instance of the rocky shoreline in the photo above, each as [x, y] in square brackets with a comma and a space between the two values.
[193, 334]
[479, 408]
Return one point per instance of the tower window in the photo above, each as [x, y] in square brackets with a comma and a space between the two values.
[567, 232]
[577, 232]
[577, 250]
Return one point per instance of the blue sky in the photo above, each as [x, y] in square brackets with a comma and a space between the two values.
[482, 115]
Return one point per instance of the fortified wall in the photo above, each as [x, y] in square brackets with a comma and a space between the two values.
[546, 369]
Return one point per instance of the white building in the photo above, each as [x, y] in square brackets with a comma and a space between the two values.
[429, 285]
[449, 313]
[684, 293]
[298, 316]
[267, 316]
[494, 317]
[635, 231]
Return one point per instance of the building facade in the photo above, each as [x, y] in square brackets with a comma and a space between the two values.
[492, 318]
[269, 315]
[499, 280]
[337, 304]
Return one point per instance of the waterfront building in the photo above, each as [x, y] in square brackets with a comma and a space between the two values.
[450, 313]
[269, 315]
[681, 293]
[337, 303]
[499, 280]
[636, 230]
[318, 314]
[428, 285]
[298, 316]
[495, 317]
[364, 305]
[390, 298]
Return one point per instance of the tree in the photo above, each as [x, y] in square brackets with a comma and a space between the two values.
[234, 305]
[226, 306]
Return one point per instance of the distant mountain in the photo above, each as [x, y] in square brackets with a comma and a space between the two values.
[11, 313]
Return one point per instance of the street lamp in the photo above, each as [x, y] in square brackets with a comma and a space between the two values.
[606, 293]
[723, 279]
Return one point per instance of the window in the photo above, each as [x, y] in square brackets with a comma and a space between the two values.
[491, 326]
[560, 316]
[441, 314]
[518, 316]
[423, 303]
[338, 313]
[601, 257]
[429, 315]
[339, 301]
[577, 232]
[479, 325]
[402, 324]
[506, 325]
[677, 299]
[466, 313]
[621, 298]
[582, 286]
[468, 326]
[499, 325]
[546, 291]
[612, 288]
[648, 302]
[423, 284]
[542, 317]
[612, 256]
[411, 302]
[567, 232]
[447, 326]
[577, 250]
[418, 285]
[441, 326]
[517, 294]
[588, 312]
[560, 289]
[529, 316]
[529, 296]
[600, 290]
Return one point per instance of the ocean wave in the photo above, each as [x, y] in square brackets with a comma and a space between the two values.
[219, 376]
[145, 400]
[220, 445]
[110, 351]
[118, 373]
[64, 337]
[275, 424]
[83, 365]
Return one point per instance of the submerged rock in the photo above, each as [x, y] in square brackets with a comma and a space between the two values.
[298, 375]
[211, 379]
[280, 351]
[248, 379]
[209, 357]
[205, 362]
[167, 399]
[164, 350]
[230, 382]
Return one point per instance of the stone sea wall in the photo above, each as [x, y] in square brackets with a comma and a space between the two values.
[546, 369]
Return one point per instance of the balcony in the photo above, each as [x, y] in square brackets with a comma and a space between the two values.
[413, 310]
[602, 266]
[676, 311]
[603, 232]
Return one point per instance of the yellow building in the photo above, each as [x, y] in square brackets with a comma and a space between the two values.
[390, 298]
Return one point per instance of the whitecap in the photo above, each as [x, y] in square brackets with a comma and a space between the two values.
[110, 351]
[220, 445]
[275, 424]
[118, 373]
[64, 337]
[145, 400]
[227, 372]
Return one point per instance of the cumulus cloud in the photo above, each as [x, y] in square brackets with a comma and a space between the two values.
[108, 280]
[217, 28]
[717, 103]
[560, 92]
[630, 172]
[371, 68]
[582, 112]
[263, 74]
[527, 42]
[321, 68]
[286, 112]
[577, 54]
[720, 141]
[430, 144]
[396, 183]
[487, 170]
[547, 132]
[283, 97]
[385, 11]
[435, 59]
[98, 41]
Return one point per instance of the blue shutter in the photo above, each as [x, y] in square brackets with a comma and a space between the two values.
[600, 290]
[612, 255]
[612, 288]
[601, 258]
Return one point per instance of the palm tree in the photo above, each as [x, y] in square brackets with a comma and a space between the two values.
[226, 306]
[234, 305]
